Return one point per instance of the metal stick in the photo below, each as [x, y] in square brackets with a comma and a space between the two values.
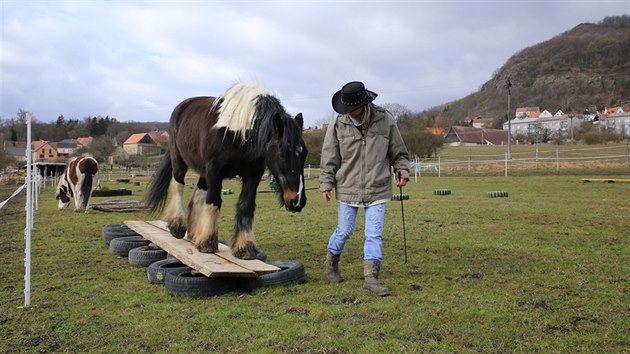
[402, 208]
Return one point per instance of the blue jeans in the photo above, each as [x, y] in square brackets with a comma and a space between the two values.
[374, 218]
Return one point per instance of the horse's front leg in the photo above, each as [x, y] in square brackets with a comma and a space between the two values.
[243, 242]
[206, 232]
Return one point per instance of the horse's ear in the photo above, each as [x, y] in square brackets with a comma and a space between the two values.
[299, 120]
[278, 125]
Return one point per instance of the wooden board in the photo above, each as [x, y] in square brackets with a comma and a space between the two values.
[606, 180]
[220, 264]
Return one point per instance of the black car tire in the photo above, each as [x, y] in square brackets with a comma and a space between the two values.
[122, 245]
[184, 283]
[143, 256]
[292, 272]
[156, 271]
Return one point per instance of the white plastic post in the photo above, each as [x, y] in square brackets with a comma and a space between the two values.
[417, 169]
[29, 215]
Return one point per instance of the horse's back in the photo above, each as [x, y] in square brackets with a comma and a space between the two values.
[191, 108]
[190, 131]
[88, 164]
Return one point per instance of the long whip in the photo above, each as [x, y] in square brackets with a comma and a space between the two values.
[402, 208]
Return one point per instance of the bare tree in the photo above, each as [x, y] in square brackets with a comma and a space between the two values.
[396, 109]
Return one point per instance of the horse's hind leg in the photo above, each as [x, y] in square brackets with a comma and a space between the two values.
[175, 214]
[78, 194]
[195, 208]
[206, 233]
[243, 242]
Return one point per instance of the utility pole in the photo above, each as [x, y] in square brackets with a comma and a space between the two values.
[509, 85]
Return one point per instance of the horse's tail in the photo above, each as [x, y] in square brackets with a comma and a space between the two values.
[91, 169]
[157, 191]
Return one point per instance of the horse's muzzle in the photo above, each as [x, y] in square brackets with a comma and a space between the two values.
[294, 202]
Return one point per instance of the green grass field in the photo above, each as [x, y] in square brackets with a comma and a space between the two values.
[544, 270]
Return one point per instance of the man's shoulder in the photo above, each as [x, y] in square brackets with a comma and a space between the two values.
[382, 112]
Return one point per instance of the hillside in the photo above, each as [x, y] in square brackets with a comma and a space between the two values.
[585, 67]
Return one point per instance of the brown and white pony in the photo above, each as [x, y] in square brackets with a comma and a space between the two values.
[240, 133]
[77, 182]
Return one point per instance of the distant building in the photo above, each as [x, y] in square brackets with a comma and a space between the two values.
[536, 124]
[141, 144]
[43, 150]
[618, 122]
[17, 150]
[66, 147]
[462, 136]
[545, 114]
[160, 137]
[524, 112]
[84, 141]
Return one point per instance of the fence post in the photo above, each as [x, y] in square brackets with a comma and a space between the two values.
[506, 164]
[557, 161]
[469, 158]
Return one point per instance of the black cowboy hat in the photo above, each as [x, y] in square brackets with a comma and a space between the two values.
[352, 96]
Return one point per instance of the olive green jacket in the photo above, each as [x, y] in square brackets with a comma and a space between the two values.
[357, 164]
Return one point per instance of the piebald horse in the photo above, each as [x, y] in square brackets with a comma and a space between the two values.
[77, 181]
[239, 133]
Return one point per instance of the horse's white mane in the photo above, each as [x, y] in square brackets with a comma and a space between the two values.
[238, 108]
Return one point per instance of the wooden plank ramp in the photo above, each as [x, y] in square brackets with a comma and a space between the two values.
[606, 180]
[220, 264]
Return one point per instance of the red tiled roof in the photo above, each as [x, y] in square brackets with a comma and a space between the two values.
[135, 138]
[85, 141]
[37, 144]
[436, 131]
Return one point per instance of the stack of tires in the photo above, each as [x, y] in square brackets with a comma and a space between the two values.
[179, 279]
[400, 197]
[442, 192]
[497, 194]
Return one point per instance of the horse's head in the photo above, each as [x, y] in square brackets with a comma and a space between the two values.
[285, 155]
[63, 195]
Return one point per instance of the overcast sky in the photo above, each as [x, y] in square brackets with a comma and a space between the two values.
[136, 60]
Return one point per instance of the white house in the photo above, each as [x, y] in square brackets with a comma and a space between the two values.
[560, 125]
[619, 123]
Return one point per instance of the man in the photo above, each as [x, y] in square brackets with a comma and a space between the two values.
[359, 148]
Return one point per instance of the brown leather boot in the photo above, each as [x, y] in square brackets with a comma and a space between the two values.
[371, 270]
[332, 268]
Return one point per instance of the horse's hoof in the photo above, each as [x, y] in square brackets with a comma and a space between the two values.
[177, 230]
[250, 251]
[208, 247]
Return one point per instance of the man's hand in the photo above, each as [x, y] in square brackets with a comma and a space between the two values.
[326, 196]
[401, 182]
